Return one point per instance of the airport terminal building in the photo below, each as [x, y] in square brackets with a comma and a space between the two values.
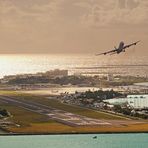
[135, 101]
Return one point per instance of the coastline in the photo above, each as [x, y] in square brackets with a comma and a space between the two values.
[3, 131]
[92, 133]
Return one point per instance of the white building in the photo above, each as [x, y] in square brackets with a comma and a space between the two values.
[135, 101]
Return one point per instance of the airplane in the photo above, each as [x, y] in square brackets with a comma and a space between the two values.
[120, 49]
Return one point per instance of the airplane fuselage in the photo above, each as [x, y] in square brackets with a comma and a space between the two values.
[120, 48]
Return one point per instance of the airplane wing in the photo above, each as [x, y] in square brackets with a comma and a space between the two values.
[127, 46]
[104, 53]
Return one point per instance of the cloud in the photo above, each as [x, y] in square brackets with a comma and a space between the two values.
[35, 11]
[28, 25]
[95, 13]
[117, 12]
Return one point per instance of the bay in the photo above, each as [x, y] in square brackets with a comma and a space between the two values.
[76, 141]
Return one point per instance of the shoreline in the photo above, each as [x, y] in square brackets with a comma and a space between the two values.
[87, 133]
[3, 131]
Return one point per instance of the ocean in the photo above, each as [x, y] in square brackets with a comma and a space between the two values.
[88, 64]
[76, 141]
[11, 64]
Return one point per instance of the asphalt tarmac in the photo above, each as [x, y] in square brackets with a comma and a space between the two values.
[53, 113]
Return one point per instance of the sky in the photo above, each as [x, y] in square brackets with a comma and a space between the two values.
[72, 26]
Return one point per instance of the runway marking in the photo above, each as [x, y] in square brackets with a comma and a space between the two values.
[56, 114]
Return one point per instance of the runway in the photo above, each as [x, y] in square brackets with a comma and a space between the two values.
[53, 113]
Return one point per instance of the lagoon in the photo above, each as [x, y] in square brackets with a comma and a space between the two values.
[76, 141]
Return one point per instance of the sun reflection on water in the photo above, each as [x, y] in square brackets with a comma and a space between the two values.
[31, 63]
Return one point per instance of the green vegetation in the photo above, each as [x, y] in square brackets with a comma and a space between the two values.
[56, 104]
[29, 80]
[126, 110]
[20, 115]
[100, 94]
[142, 116]
[77, 80]
[24, 117]
[81, 111]
[31, 122]
[4, 113]
[74, 80]
[69, 108]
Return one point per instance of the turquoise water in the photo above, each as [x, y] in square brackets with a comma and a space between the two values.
[76, 141]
